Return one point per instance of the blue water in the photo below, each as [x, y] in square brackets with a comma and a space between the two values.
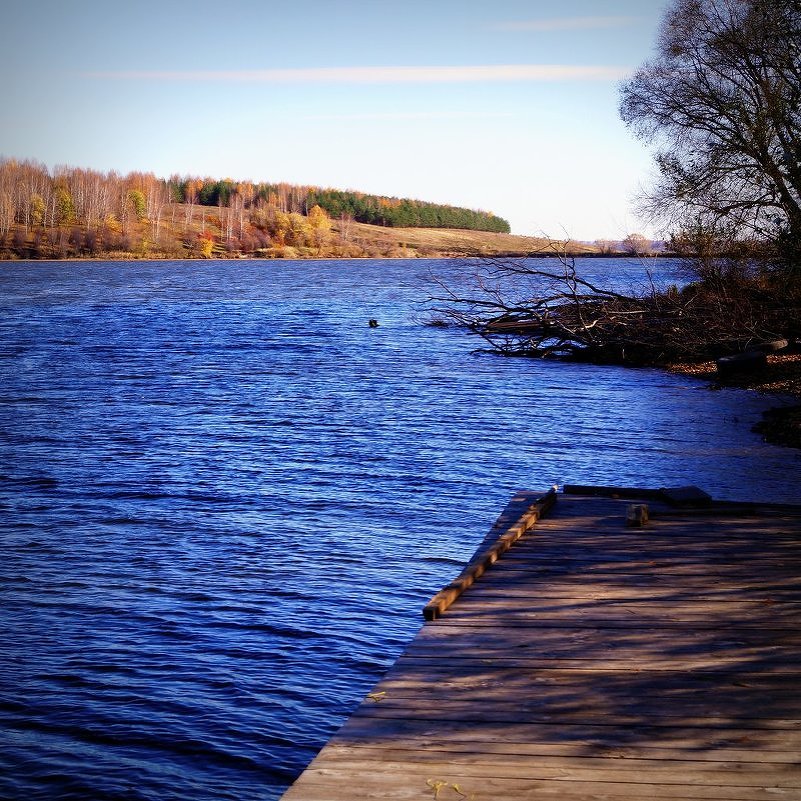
[225, 499]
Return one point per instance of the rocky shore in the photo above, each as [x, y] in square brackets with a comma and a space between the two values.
[781, 376]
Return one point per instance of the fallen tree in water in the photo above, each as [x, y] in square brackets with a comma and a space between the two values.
[525, 307]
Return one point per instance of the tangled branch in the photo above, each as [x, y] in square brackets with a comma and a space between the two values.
[519, 308]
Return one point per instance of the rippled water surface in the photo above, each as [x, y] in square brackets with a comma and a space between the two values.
[225, 498]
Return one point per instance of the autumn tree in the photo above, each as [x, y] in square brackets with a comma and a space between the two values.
[721, 100]
[6, 212]
[65, 208]
[38, 209]
[636, 245]
[136, 200]
[157, 196]
[192, 187]
[606, 246]
[298, 230]
[320, 224]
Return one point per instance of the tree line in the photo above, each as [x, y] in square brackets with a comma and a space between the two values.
[391, 212]
[72, 211]
[402, 212]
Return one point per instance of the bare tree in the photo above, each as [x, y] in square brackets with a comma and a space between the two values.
[722, 102]
[636, 245]
[345, 224]
[158, 194]
[606, 246]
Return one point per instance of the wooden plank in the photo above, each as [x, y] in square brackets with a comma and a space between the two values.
[444, 694]
[416, 782]
[700, 776]
[755, 608]
[647, 663]
[509, 529]
[637, 771]
[546, 744]
[637, 591]
[767, 548]
[594, 738]
[592, 638]
[653, 716]
[606, 491]
[514, 680]
[595, 662]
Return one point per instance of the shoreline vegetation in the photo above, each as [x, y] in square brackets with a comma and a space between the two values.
[82, 213]
[349, 240]
[733, 326]
[75, 213]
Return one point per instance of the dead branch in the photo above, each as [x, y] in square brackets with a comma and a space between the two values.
[518, 308]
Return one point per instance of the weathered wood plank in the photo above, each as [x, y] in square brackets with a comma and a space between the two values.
[757, 610]
[508, 529]
[634, 664]
[417, 783]
[595, 662]
[474, 743]
[525, 631]
[594, 738]
[445, 695]
[654, 717]
[705, 592]
[636, 771]
[513, 680]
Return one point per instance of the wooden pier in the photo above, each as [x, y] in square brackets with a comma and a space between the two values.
[590, 652]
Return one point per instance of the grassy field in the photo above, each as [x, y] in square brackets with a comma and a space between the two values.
[448, 242]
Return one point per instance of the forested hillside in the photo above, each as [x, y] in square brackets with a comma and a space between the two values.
[69, 212]
[372, 209]
[402, 213]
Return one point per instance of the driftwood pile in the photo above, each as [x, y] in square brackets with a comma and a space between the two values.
[520, 309]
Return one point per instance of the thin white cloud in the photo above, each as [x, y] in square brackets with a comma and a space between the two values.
[373, 75]
[566, 24]
[394, 116]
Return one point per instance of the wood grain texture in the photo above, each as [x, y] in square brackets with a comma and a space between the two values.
[595, 661]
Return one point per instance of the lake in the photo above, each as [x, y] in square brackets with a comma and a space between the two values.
[225, 500]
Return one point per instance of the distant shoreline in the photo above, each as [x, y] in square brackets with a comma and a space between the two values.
[412, 256]
[202, 233]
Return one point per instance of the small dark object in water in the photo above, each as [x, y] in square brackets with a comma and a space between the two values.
[373, 323]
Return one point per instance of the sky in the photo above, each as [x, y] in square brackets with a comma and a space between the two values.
[509, 106]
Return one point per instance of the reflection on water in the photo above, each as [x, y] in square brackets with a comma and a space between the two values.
[226, 499]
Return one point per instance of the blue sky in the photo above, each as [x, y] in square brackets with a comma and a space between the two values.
[507, 106]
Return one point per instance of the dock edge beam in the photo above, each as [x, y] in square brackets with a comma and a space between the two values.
[487, 556]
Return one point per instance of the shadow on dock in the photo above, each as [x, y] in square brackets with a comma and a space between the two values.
[596, 660]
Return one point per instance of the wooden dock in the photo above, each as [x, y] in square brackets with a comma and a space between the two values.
[579, 658]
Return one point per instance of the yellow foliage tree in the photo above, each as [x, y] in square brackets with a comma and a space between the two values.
[299, 230]
[138, 202]
[203, 247]
[65, 208]
[320, 224]
[37, 209]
